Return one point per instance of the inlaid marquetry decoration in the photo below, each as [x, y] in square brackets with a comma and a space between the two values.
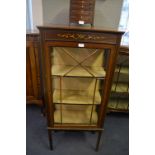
[80, 36]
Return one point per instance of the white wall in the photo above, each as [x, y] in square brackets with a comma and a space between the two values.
[56, 11]
[108, 13]
[37, 13]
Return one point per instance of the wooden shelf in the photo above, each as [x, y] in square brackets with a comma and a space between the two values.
[75, 116]
[76, 97]
[78, 71]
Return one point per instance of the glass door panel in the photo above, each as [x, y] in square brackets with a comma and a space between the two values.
[77, 76]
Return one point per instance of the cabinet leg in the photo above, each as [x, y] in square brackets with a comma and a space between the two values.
[50, 139]
[42, 111]
[98, 140]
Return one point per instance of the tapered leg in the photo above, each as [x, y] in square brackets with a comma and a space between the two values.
[50, 139]
[98, 140]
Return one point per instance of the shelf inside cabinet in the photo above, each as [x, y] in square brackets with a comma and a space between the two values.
[75, 116]
[122, 69]
[123, 104]
[78, 71]
[120, 87]
[74, 107]
[118, 104]
[76, 97]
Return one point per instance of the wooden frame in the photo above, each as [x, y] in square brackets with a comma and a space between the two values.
[67, 36]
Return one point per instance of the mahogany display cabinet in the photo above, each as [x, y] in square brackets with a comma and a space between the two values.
[77, 70]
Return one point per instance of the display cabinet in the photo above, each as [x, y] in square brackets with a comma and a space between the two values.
[82, 12]
[33, 87]
[119, 99]
[77, 66]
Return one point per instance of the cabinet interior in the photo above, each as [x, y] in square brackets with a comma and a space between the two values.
[77, 76]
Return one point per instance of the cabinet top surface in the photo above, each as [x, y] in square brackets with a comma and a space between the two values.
[80, 28]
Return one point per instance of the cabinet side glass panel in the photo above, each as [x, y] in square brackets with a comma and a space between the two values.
[119, 99]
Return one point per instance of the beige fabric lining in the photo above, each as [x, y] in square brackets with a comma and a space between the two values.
[120, 104]
[123, 70]
[75, 116]
[60, 70]
[121, 77]
[123, 104]
[79, 84]
[76, 97]
[121, 87]
[59, 57]
[75, 107]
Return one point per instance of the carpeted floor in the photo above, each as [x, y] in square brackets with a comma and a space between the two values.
[114, 141]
